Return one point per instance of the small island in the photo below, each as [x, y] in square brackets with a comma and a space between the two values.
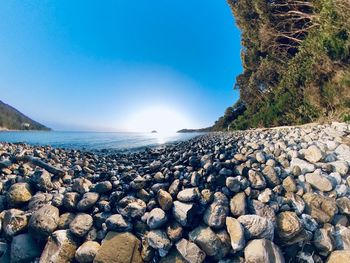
[154, 131]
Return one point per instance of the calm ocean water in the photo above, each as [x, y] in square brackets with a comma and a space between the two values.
[93, 140]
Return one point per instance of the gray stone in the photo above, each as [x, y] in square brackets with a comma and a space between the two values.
[303, 165]
[319, 181]
[188, 195]
[190, 251]
[238, 204]
[257, 227]
[313, 154]
[132, 207]
[236, 232]
[118, 223]
[215, 214]
[206, 239]
[159, 240]
[184, 213]
[156, 218]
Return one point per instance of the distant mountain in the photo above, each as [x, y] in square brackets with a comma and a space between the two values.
[12, 119]
[195, 130]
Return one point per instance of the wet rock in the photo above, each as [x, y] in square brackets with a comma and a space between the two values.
[184, 213]
[81, 225]
[119, 248]
[236, 232]
[238, 204]
[190, 251]
[261, 251]
[215, 214]
[257, 227]
[87, 252]
[159, 240]
[206, 239]
[118, 223]
[43, 222]
[24, 249]
[18, 195]
[156, 218]
[60, 248]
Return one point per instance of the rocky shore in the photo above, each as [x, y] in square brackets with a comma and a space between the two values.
[274, 195]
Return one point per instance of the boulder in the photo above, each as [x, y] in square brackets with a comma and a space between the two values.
[289, 228]
[24, 249]
[257, 227]
[319, 181]
[14, 222]
[215, 214]
[87, 252]
[188, 195]
[18, 195]
[313, 154]
[118, 223]
[321, 208]
[238, 204]
[41, 180]
[81, 225]
[159, 240]
[156, 218]
[190, 251]
[131, 207]
[87, 201]
[43, 222]
[206, 239]
[303, 165]
[165, 200]
[339, 256]
[184, 213]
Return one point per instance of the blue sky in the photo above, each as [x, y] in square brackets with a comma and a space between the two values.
[94, 65]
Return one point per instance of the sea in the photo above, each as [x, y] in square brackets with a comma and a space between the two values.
[119, 141]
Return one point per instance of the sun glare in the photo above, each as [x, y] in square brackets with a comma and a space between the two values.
[162, 119]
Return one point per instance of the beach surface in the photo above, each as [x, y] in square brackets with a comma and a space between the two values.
[269, 195]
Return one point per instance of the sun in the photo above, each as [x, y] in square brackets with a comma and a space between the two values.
[163, 119]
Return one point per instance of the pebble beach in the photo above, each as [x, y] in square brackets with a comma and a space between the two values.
[267, 195]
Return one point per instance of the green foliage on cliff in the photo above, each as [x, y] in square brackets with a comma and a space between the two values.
[12, 119]
[296, 58]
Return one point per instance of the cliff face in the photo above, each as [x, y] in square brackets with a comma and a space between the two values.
[296, 58]
[12, 119]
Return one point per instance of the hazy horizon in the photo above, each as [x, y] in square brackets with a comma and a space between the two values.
[118, 66]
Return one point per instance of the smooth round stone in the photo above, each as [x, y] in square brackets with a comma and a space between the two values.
[156, 218]
[81, 225]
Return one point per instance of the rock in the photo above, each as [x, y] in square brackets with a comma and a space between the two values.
[14, 222]
[42, 180]
[39, 200]
[233, 184]
[173, 257]
[260, 209]
[309, 223]
[290, 228]
[341, 236]
[271, 176]
[81, 185]
[118, 223]
[159, 240]
[343, 204]
[257, 227]
[188, 195]
[132, 207]
[184, 213]
[60, 248]
[138, 183]
[190, 251]
[339, 256]
[318, 181]
[43, 222]
[340, 167]
[296, 202]
[236, 232]
[323, 241]
[70, 201]
[303, 165]
[257, 181]
[156, 218]
[262, 251]
[238, 204]
[165, 200]
[119, 248]
[260, 157]
[147, 252]
[64, 220]
[321, 208]
[103, 187]
[174, 231]
[87, 252]
[206, 239]
[24, 249]
[265, 195]
[289, 184]
[88, 201]
[215, 214]
[81, 224]
[18, 195]
[313, 154]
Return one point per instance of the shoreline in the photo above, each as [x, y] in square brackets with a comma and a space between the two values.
[228, 196]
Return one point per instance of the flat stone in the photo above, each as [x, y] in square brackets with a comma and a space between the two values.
[119, 248]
